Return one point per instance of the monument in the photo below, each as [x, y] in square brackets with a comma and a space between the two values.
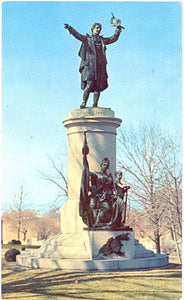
[94, 234]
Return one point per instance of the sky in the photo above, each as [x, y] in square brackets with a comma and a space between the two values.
[41, 82]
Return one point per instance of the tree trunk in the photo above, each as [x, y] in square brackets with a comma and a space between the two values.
[157, 241]
[18, 236]
[2, 230]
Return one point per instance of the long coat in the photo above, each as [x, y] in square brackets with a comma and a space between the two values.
[89, 68]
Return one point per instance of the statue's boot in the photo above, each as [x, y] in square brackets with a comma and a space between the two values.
[96, 96]
[85, 98]
[83, 104]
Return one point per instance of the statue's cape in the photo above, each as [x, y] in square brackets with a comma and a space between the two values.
[83, 48]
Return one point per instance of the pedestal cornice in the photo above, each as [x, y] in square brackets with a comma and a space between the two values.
[93, 116]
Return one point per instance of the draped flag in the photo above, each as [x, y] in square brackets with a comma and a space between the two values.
[84, 205]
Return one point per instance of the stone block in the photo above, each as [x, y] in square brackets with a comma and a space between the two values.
[100, 238]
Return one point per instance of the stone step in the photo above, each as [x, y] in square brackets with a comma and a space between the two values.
[63, 252]
[73, 240]
[157, 261]
[63, 246]
[141, 252]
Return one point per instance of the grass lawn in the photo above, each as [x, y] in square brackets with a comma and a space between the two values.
[20, 283]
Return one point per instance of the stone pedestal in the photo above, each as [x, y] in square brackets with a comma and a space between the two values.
[76, 248]
[100, 125]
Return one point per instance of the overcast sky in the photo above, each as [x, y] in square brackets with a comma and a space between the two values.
[41, 82]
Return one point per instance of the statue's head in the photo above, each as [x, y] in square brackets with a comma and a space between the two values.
[118, 174]
[96, 28]
[105, 163]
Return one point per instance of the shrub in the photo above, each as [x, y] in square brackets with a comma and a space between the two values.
[11, 254]
[14, 242]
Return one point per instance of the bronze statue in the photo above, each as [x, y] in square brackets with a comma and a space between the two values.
[93, 59]
[102, 204]
[122, 192]
[102, 198]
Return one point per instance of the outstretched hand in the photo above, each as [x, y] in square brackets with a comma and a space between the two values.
[66, 26]
[120, 27]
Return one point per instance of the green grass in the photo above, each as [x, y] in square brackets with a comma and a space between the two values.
[19, 283]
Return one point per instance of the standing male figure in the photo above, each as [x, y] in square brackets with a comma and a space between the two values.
[93, 61]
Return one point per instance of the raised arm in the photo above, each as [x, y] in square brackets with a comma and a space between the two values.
[114, 37]
[75, 33]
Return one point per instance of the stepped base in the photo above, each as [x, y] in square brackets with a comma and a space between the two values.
[156, 261]
[89, 250]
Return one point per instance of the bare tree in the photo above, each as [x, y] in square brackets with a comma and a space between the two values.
[141, 156]
[17, 207]
[18, 217]
[41, 226]
[172, 191]
[57, 177]
[47, 225]
[28, 219]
